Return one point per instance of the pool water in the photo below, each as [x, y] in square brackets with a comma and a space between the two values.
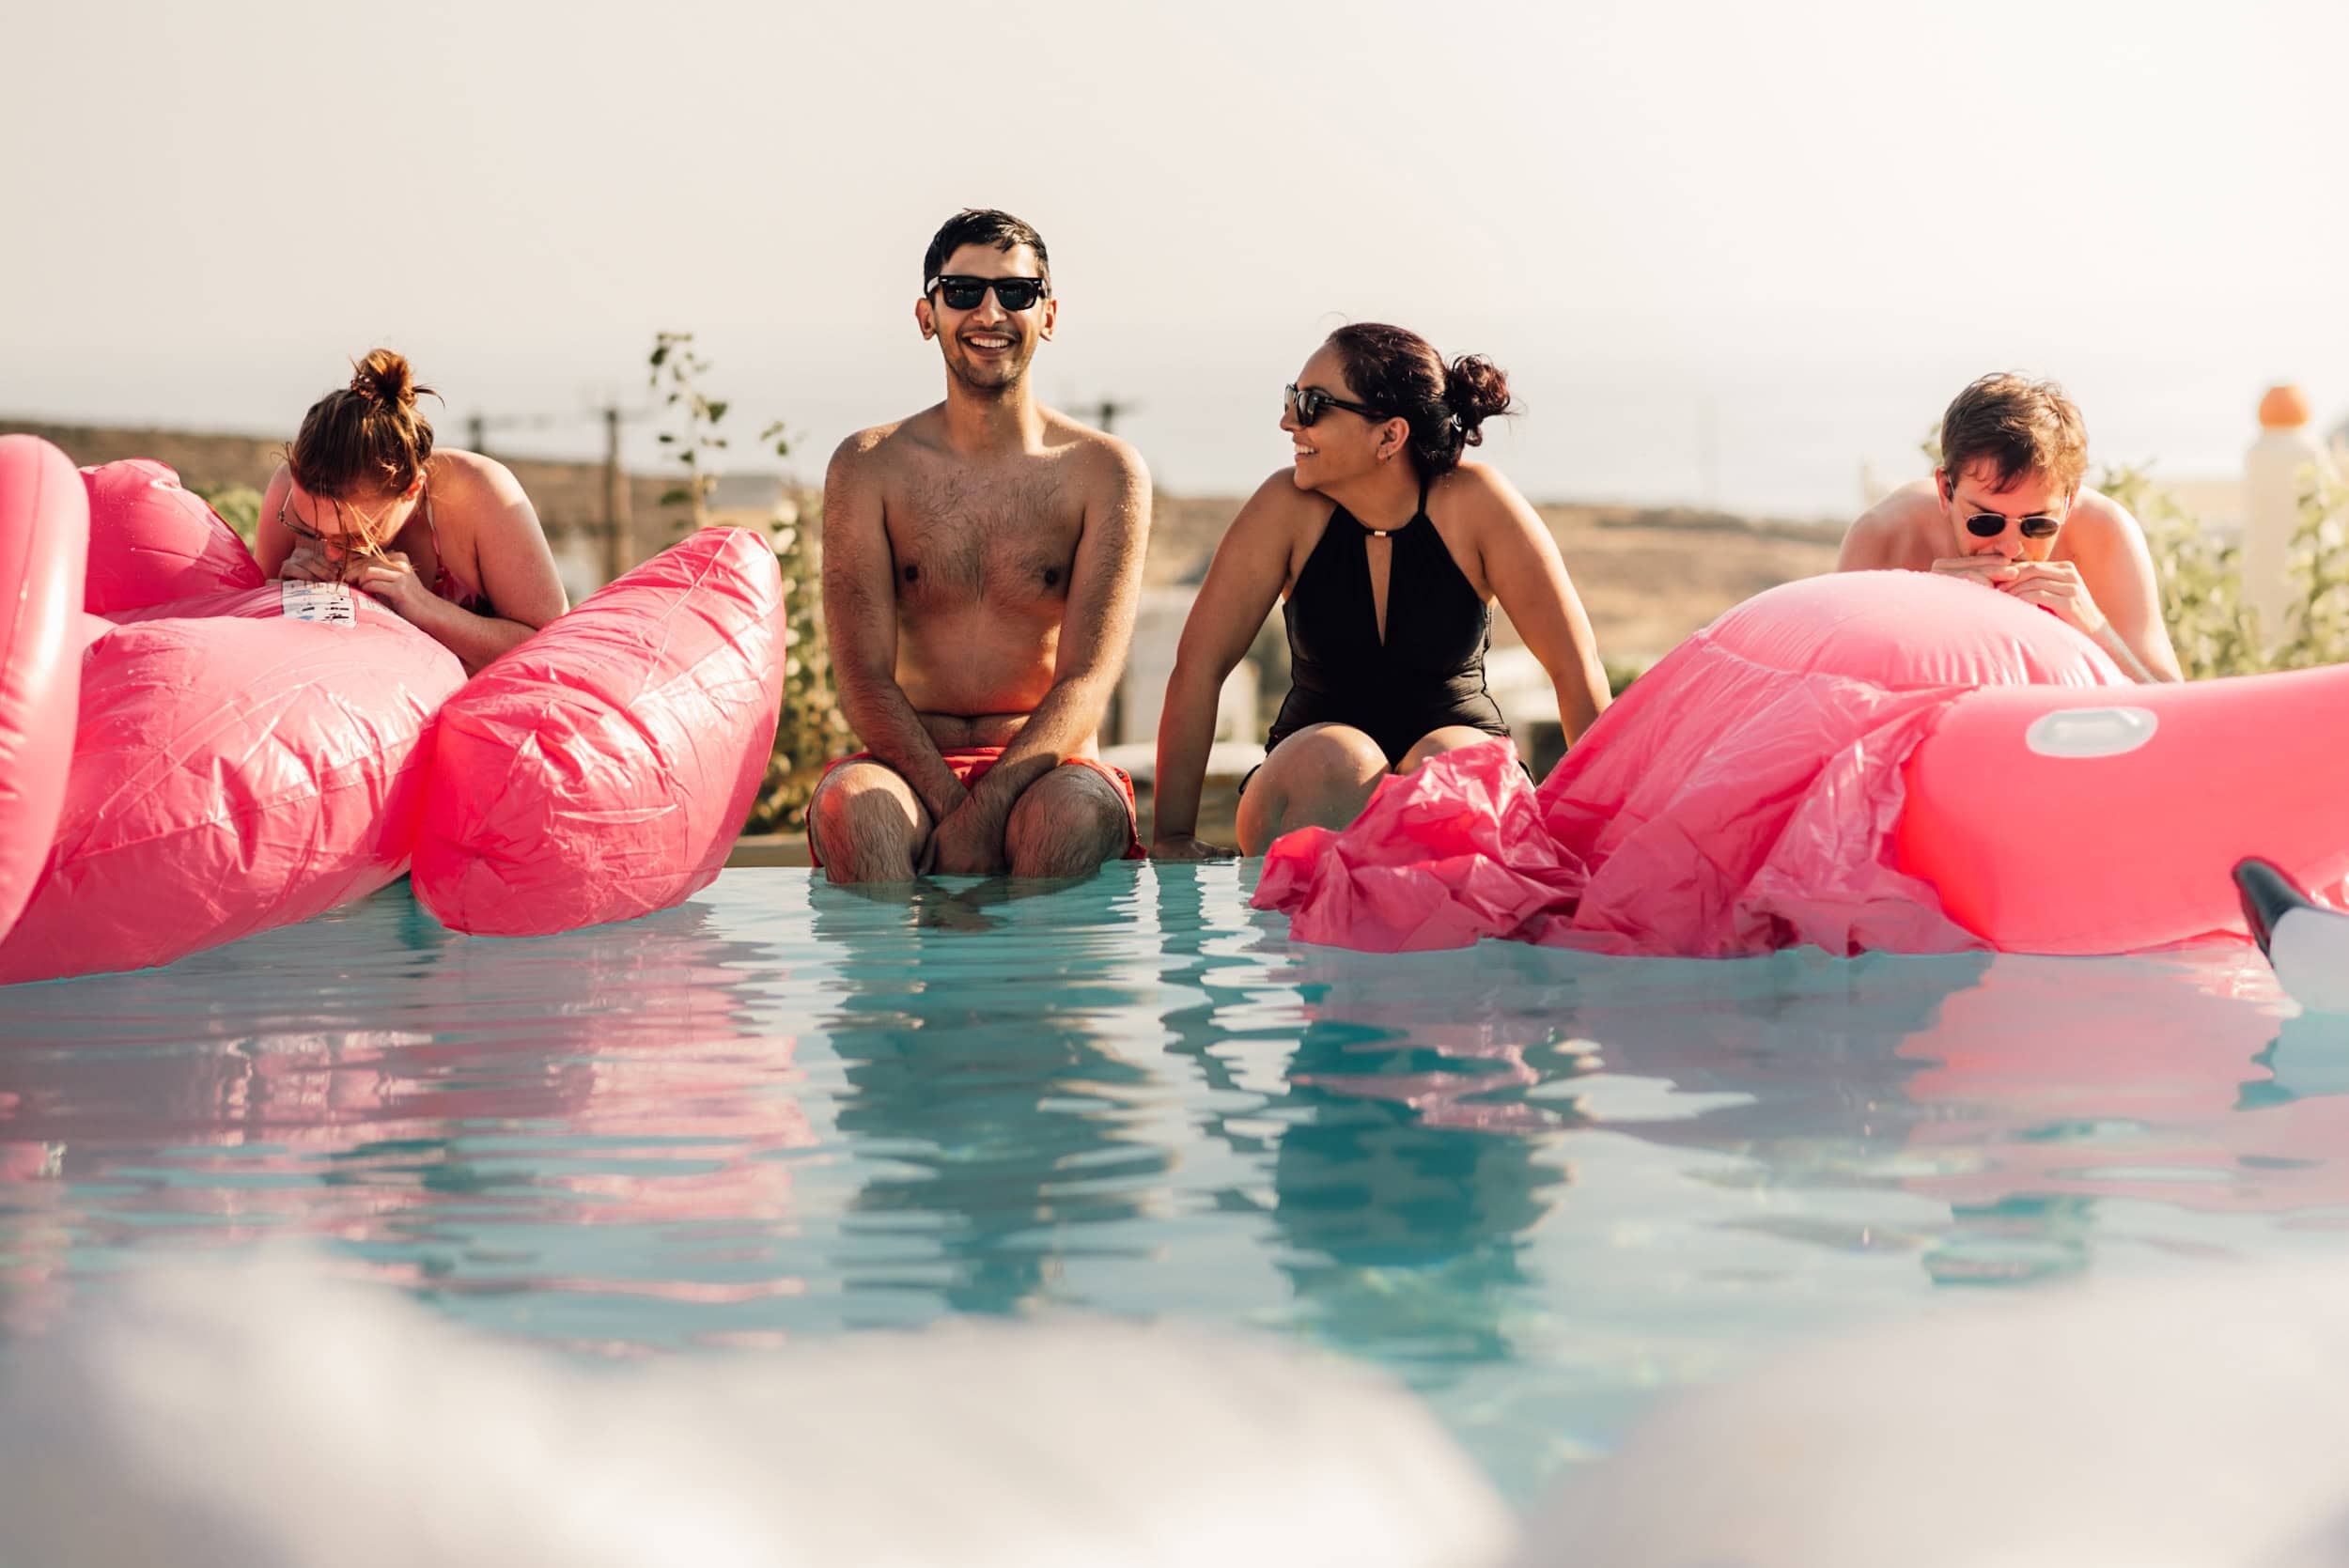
[1545, 1190]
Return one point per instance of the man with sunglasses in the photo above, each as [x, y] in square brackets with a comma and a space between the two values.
[2006, 509]
[981, 562]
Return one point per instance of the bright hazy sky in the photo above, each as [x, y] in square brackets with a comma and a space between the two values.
[1782, 235]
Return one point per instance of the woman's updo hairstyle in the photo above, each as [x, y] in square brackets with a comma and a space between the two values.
[365, 438]
[1400, 373]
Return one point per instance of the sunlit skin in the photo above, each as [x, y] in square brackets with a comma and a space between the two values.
[2095, 574]
[982, 561]
[1326, 773]
[380, 543]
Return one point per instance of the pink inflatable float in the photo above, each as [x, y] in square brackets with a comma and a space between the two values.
[231, 769]
[44, 538]
[1884, 760]
[152, 542]
[603, 769]
[233, 766]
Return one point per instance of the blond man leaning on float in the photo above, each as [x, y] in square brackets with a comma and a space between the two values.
[2006, 509]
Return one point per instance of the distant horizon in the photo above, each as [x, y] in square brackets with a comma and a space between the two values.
[1730, 257]
[1645, 461]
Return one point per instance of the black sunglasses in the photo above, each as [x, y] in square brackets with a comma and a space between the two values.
[1305, 406]
[1989, 525]
[964, 293]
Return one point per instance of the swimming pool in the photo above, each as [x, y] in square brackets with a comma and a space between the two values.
[1543, 1188]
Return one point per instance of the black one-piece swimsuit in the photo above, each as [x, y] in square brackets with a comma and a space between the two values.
[1426, 672]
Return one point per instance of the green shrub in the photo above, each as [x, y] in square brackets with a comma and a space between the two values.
[238, 506]
[811, 729]
[1621, 673]
[2214, 630]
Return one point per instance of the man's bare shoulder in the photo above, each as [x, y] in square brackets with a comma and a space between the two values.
[1107, 465]
[872, 450]
[2100, 510]
[1892, 532]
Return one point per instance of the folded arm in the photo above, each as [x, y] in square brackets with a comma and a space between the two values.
[860, 631]
[1528, 577]
[1104, 584]
[1249, 568]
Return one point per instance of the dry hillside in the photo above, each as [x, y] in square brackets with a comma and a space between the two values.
[1648, 577]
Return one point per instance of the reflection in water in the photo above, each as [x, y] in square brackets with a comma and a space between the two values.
[2024, 1093]
[1407, 1168]
[988, 1087]
[1412, 1155]
[424, 1086]
[1540, 1185]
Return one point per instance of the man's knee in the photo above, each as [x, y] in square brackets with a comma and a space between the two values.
[867, 826]
[1067, 824]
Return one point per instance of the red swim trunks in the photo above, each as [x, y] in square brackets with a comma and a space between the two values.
[971, 765]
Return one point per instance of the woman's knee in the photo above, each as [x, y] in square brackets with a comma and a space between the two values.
[1452, 737]
[1318, 777]
[1328, 756]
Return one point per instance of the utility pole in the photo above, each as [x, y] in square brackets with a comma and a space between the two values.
[618, 519]
[1708, 449]
[615, 529]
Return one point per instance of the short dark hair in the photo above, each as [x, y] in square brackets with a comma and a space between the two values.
[983, 226]
[2019, 427]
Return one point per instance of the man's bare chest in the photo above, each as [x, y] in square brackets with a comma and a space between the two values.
[957, 539]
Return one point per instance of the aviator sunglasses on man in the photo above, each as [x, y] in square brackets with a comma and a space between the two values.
[1305, 406]
[964, 293]
[1989, 525]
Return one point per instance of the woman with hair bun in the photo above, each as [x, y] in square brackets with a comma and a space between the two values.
[446, 540]
[1388, 552]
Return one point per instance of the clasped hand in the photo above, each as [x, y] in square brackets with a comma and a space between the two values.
[2055, 586]
[389, 577]
[967, 841]
[1188, 846]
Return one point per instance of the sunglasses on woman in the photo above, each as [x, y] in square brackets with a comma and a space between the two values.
[1305, 406]
[359, 543]
[964, 293]
[1989, 525]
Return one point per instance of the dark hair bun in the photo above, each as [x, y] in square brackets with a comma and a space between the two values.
[366, 438]
[1476, 390]
[384, 377]
[1400, 372]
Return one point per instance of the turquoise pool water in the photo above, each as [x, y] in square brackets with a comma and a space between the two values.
[1543, 1188]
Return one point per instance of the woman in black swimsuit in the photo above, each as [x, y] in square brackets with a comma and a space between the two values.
[1388, 552]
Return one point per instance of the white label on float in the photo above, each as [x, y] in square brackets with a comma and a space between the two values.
[329, 602]
[2091, 732]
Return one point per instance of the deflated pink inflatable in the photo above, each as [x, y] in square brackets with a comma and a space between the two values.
[44, 540]
[1744, 795]
[603, 769]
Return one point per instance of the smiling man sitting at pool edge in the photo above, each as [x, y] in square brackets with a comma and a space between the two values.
[2006, 509]
[982, 561]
